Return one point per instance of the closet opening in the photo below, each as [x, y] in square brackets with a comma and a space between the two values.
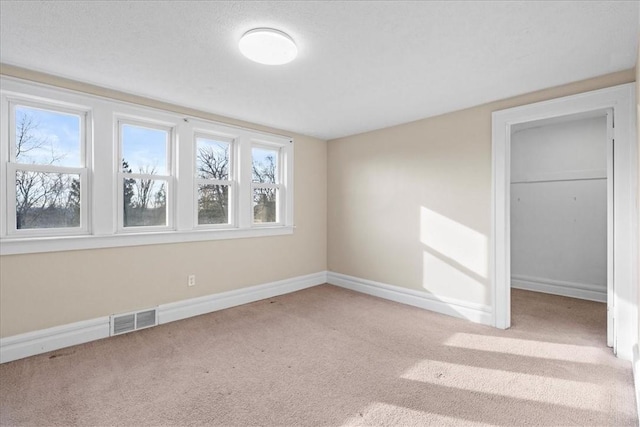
[561, 216]
[616, 105]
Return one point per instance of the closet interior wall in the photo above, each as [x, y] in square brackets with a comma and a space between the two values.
[559, 207]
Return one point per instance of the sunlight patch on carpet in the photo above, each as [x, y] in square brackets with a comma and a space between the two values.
[380, 413]
[529, 348]
[510, 384]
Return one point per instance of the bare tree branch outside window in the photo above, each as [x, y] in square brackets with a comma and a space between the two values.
[264, 199]
[145, 170]
[43, 199]
[213, 199]
[145, 199]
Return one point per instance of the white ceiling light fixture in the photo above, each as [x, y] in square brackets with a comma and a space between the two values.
[268, 46]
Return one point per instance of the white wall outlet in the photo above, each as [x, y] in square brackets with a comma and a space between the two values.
[191, 280]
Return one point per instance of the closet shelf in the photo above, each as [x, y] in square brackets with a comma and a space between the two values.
[533, 181]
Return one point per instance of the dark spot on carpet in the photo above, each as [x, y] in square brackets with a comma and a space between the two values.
[53, 356]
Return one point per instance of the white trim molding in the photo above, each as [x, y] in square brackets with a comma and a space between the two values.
[45, 340]
[636, 375]
[73, 243]
[207, 304]
[621, 100]
[476, 313]
[559, 287]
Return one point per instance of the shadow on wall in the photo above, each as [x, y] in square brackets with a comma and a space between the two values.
[453, 255]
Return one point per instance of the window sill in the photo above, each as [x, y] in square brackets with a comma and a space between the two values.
[30, 245]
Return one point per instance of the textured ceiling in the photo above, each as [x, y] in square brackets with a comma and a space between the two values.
[361, 65]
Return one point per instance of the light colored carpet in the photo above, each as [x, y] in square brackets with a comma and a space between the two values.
[328, 356]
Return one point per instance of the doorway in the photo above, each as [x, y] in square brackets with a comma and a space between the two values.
[562, 208]
[620, 100]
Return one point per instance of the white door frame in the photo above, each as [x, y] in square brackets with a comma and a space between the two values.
[610, 230]
[621, 99]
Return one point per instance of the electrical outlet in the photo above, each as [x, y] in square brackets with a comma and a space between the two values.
[191, 280]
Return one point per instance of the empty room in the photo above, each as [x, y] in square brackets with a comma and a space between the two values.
[319, 213]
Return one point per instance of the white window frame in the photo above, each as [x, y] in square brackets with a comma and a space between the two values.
[231, 182]
[12, 166]
[102, 172]
[169, 178]
[277, 186]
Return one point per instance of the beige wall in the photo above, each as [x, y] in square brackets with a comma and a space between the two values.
[410, 205]
[44, 290]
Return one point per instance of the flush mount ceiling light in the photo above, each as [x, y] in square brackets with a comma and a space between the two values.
[268, 46]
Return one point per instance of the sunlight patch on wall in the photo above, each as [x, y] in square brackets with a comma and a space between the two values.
[529, 348]
[509, 384]
[455, 241]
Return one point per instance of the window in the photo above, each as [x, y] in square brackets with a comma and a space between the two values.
[265, 186]
[214, 180]
[145, 175]
[90, 172]
[46, 173]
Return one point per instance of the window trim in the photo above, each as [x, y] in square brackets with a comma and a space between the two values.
[11, 166]
[83, 114]
[277, 185]
[102, 174]
[121, 121]
[232, 182]
[12, 219]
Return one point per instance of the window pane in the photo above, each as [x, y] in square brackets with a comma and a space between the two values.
[47, 200]
[46, 137]
[145, 202]
[144, 150]
[212, 159]
[264, 165]
[265, 205]
[213, 204]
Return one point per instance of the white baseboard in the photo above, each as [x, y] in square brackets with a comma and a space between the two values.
[636, 375]
[197, 306]
[559, 287]
[42, 341]
[474, 312]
